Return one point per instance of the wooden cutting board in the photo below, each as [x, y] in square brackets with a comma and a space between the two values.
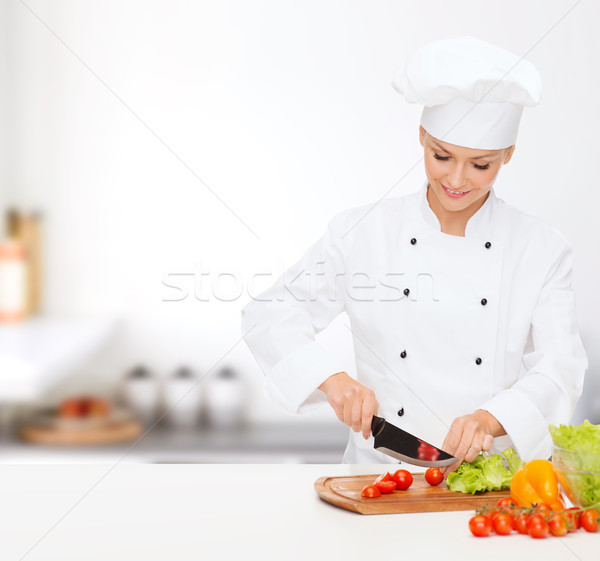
[345, 491]
[123, 430]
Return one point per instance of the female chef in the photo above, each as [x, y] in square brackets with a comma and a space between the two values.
[460, 306]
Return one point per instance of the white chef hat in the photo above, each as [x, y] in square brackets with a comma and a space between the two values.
[473, 92]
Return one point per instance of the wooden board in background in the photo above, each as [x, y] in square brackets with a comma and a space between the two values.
[344, 492]
[106, 433]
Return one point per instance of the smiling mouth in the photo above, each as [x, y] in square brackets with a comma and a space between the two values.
[454, 193]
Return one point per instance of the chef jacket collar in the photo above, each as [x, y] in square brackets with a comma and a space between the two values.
[479, 225]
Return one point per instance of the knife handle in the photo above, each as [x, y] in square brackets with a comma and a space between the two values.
[377, 425]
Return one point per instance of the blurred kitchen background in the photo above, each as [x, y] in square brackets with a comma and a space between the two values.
[162, 162]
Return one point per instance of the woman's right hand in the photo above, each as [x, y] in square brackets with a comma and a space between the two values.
[353, 403]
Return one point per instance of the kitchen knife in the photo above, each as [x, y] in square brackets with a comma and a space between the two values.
[403, 446]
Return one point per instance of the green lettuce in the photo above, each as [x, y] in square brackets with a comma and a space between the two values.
[514, 462]
[486, 473]
[583, 439]
[466, 480]
[583, 442]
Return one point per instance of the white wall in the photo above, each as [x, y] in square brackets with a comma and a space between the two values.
[4, 102]
[285, 110]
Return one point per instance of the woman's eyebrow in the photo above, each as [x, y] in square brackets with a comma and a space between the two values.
[472, 158]
[441, 147]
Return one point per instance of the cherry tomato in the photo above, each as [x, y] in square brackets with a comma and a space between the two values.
[434, 476]
[521, 523]
[558, 524]
[537, 527]
[493, 513]
[503, 524]
[386, 486]
[506, 502]
[542, 507]
[480, 526]
[573, 515]
[557, 506]
[383, 477]
[589, 520]
[370, 492]
[403, 479]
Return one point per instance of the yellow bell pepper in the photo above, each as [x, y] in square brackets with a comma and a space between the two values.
[535, 483]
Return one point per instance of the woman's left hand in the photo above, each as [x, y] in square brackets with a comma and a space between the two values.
[469, 435]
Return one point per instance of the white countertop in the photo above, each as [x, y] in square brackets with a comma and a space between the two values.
[231, 512]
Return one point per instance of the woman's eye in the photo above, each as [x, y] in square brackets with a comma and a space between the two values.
[438, 157]
[481, 167]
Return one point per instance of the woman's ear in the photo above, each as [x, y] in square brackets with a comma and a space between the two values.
[422, 133]
[509, 152]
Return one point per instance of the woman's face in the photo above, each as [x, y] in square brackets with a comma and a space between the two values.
[460, 176]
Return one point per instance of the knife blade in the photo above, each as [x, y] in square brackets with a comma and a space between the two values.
[406, 447]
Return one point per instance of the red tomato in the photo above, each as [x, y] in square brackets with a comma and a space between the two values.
[573, 515]
[492, 513]
[480, 526]
[386, 486]
[589, 520]
[537, 527]
[370, 492]
[558, 524]
[503, 524]
[434, 476]
[521, 523]
[557, 506]
[506, 502]
[71, 408]
[403, 479]
[542, 507]
[383, 477]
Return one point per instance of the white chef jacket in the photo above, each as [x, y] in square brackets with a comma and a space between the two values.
[442, 325]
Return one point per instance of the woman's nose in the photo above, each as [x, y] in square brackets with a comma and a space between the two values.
[456, 178]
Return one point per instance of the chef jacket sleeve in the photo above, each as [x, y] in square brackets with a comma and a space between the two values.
[554, 363]
[280, 325]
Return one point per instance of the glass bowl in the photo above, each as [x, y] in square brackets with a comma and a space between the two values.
[580, 484]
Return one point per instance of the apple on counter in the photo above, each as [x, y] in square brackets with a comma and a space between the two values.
[80, 420]
[84, 407]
